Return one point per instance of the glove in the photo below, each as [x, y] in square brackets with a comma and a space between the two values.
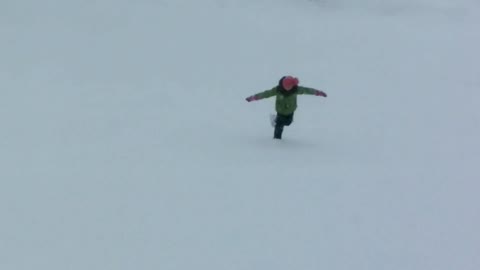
[320, 93]
[251, 98]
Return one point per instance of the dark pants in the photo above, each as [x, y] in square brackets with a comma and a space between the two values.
[280, 122]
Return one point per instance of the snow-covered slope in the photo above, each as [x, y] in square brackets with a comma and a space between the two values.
[126, 142]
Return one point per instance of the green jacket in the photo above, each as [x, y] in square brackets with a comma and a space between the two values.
[285, 104]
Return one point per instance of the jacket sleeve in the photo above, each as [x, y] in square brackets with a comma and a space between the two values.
[266, 94]
[306, 90]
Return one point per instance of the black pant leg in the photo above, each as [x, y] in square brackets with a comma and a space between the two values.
[281, 121]
[288, 119]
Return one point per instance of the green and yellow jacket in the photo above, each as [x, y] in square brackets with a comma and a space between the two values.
[285, 101]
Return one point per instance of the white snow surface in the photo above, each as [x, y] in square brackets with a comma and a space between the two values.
[126, 141]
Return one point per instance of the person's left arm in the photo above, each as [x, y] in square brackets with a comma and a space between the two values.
[310, 91]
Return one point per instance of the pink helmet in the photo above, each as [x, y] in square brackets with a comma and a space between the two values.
[289, 82]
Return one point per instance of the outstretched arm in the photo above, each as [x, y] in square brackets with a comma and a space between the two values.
[310, 91]
[262, 95]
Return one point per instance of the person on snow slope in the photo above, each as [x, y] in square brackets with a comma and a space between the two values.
[285, 93]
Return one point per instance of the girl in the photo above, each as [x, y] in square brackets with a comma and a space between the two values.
[286, 101]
